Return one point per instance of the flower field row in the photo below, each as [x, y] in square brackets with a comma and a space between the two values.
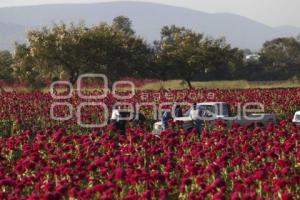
[45, 159]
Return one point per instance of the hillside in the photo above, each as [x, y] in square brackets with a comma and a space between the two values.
[147, 18]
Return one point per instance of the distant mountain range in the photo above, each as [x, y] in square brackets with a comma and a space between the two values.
[148, 18]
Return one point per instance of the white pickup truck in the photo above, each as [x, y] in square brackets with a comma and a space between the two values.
[296, 119]
[212, 111]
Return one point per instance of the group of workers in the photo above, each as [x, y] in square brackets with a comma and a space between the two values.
[119, 118]
[195, 114]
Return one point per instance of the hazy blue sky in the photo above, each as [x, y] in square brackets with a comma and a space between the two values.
[271, 12]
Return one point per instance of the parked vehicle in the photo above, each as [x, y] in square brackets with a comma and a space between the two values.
[213, 111]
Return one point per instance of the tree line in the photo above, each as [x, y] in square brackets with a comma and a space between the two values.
[66, 51]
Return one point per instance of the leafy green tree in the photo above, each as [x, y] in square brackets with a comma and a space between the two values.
[6, 61]
[180, 52]
[122, 23]
[222, 61]
[282, 54]
[116, 53]
[80, 49]
[59, 47]
[26, 68]
[185, 54]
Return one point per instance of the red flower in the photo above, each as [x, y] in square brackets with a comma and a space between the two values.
[287, 196]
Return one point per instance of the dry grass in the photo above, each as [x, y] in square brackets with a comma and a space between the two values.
[177, 85]
[238, 84]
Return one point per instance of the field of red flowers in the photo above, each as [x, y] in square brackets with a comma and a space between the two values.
[41, 158]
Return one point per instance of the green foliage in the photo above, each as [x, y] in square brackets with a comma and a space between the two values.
[6, 61]
[59, 47]
[79, 49]
[186, 54]
[6, 128]
[180, 52]
[122, 23]
[222, 61]
[282, 54]
[66, 51]
[27, 68]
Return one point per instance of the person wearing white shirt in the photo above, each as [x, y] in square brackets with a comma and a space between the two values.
[115, 116]
[195, 116]
[118, 121]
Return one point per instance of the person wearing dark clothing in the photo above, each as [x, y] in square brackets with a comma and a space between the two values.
[165, 120]
[115, 117]
[178, 111]
[140, 120]
[196, 115]
[121, 123]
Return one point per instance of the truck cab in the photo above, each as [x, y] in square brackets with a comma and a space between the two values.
[213, 111]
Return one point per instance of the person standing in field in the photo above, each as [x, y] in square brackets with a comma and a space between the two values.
[195, 116]
[165, 120]
[178, 111]
[140, 120]
[122, 122]
[115, 118]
